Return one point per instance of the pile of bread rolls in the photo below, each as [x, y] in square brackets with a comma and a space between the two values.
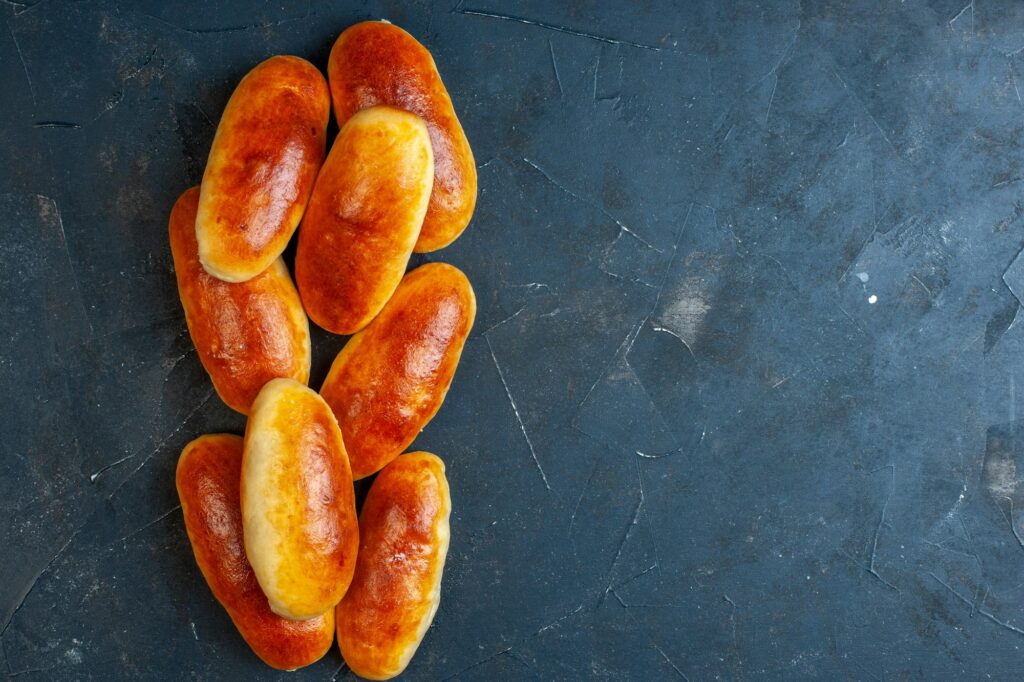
[272, 516]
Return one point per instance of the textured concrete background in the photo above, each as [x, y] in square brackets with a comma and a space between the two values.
[740, 402]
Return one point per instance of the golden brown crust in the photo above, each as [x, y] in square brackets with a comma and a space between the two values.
[298, 504]
[245, 333]
[364, 217]
[378, 63]
[264, 159]
[207, 480]
[391, 378]
[394, 595]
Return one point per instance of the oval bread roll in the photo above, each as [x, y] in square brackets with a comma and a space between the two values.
[391, 378]
[298, 504]
[265, 156]
[245, 333]
[378, 63]
[397, 586]
[364, 217]
[207, 479]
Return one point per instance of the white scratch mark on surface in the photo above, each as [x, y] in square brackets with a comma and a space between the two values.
[111, 104]
[559, 29]
[771, 99]
[727, 227]
[233, 29]
[507, 319]
[572, 519]
[661, 456]
[172, 363]
[93, 477]
[556, 622]
[625, 581]
[955, 509]
[622, 226]
[785, 53]
[969, 6]
[57, 124]
[669, 661]
[878, 529]
[54, 212]
[35, 579]
[160, 445]
[631, 280]
[150, 524]
[623, 348]
[923, 285]
[981, 609]
[851, 318]
[853, 261]
[28, 671]
[554, 66]
[515, 411]
[650, 531]
[19, 7]
[493, 656]
[625, 539]
[874, 120]
[783, 380]
[870, 567]
[732, 618]
[728, 133]
[1012, 403]
[24, 66]
[1009, 519]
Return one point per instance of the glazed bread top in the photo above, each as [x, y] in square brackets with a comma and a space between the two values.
[265, 155]
[298, 504]
[378, 63]
[245, 333]
[207, 480]
[391, 378]
[397, 585]
[364, 217]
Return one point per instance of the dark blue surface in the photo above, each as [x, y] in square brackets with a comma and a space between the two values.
[741, 401]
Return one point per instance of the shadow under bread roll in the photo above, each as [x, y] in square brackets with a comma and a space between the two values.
[207, 479]
[245, 333]
[268, 148]
[364, 217]
[390, 379]
[396, 590]
[298, 504]
[378, 63]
